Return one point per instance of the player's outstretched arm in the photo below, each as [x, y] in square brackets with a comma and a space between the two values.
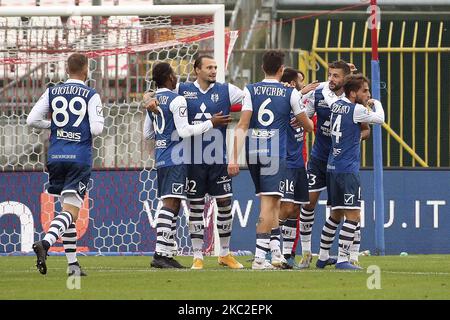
[310, 87]
[150, 102]
[300, 112]
[305, 122]
[149, 132]
[363, 114]
[38, 114]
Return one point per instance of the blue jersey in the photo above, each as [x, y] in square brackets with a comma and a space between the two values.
[271, 104]
[201, 107]
[294, 147]
[322, 143]
[345, 136]
[70, 138]
[166, 136]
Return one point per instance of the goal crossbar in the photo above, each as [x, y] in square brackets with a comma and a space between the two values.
[215, 10]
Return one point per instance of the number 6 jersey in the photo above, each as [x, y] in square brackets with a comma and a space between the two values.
[271, 104]
[76, 115]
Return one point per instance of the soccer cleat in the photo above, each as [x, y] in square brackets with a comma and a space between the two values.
[347, 266]
[291, 262]
[197, 264]
[175, 264]
[230, 262]
[279, 262]
[161, 262]
[306, 261]
[355, 263]
[262, 265]
[41, 255]
[75, 270]
[322, 264]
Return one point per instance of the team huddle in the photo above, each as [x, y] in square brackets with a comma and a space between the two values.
[188, 123]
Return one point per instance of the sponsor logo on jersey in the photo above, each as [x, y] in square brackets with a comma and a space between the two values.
[100, 111]
[322, 103]
[190, 95]
[224, 179]
[202, 114]
[183, 111]
[227, 187]
[299, 135]
[281, 187]
[349, 198]
[325, 128]
[215, 97]
[336, 151]
[177, 188]
[161, 144]
[263, 133]
[61, 134]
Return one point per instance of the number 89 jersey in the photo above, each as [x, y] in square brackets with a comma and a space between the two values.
[70, 138]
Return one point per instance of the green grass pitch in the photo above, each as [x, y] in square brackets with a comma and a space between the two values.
[409, 277]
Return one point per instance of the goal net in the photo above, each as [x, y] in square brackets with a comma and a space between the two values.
[122, 44]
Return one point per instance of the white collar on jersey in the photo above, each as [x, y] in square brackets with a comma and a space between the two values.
[326, 91]
[346, 99]
[163, 90]
[271, 80]
[75, 81]
[200, 89]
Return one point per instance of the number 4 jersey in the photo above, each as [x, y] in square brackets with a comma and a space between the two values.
[76, 115]
[346, 133]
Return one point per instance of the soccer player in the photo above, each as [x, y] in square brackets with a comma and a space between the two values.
[76, 117]
[266, 111]
[207, 171]
[167, 127]
[316, 103]
[344, 159]
[296, 186]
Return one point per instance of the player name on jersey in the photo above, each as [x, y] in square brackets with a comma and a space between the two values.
[70, 89]
[269, 91]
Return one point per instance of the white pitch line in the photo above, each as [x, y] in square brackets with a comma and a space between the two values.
[241, 270]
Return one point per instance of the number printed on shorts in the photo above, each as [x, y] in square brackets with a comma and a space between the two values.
[289, 186]
[60, 105]
[191, 186]
[311, 179]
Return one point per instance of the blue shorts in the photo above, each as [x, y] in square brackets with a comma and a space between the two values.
[172, 182]
[269, 181]
[212, 179]
[68, 177]
[317, 175]
[345, 191]
[296, 188]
